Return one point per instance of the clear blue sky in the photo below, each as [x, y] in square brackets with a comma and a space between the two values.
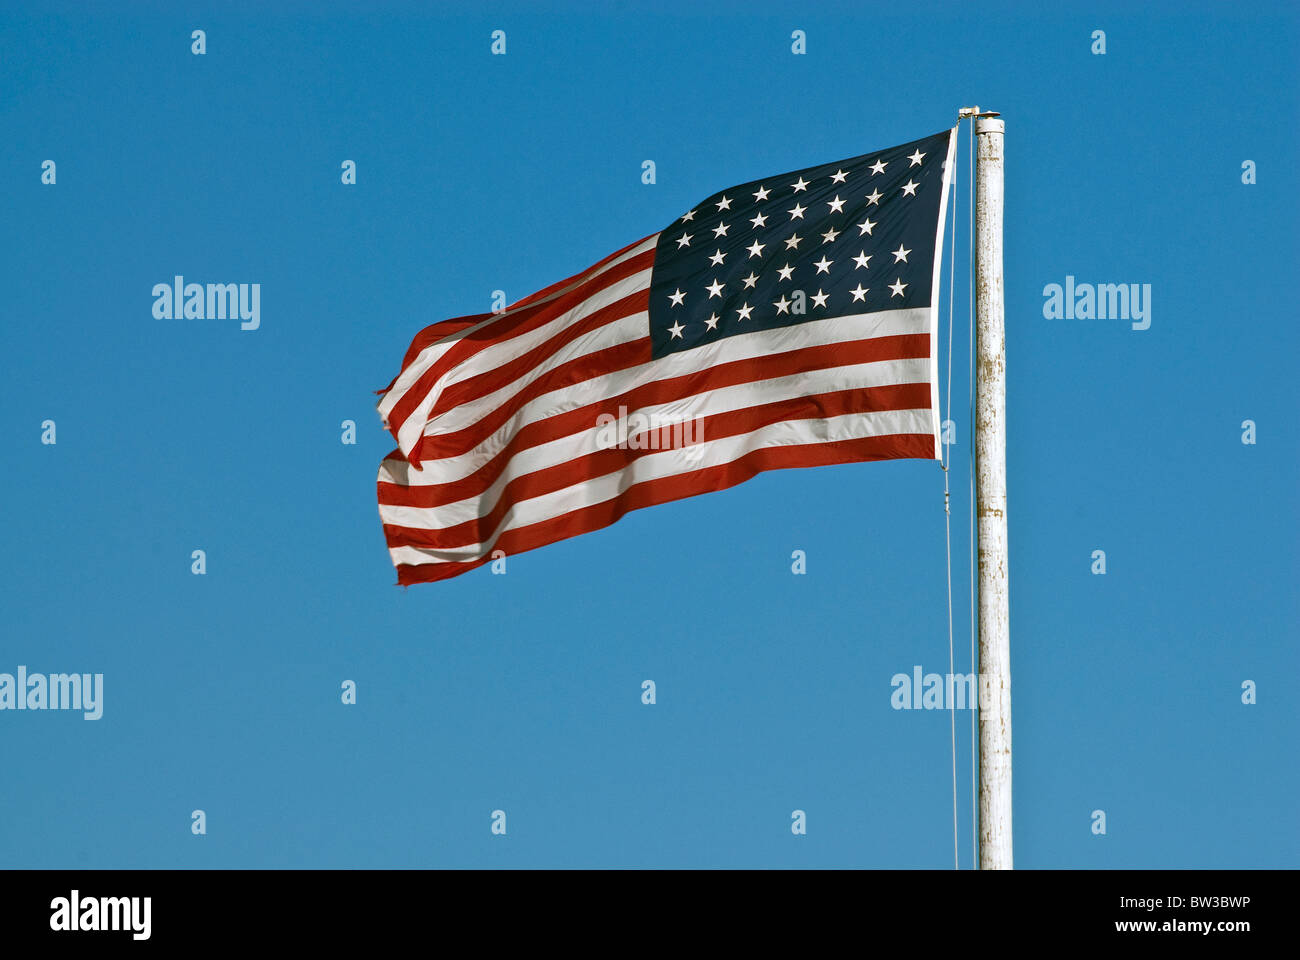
[522, 692]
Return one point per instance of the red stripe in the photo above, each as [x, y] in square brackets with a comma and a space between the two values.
[432, 334]
[803, 360]
[581, 469]
[512, 325]
[653, 492]
[489, 381]
[435, 332]
[547, 291]
[633, 353]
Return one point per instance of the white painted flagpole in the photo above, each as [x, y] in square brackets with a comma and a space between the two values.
[991, 502]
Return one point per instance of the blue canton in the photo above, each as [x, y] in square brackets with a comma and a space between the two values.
[844, 238]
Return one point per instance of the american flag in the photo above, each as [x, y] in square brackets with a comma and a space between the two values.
[787, 322]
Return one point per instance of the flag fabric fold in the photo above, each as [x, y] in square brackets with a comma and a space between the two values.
[785, 322]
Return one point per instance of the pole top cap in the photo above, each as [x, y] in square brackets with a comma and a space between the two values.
[989, 124]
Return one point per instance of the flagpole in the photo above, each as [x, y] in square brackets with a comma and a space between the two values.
[991, 502]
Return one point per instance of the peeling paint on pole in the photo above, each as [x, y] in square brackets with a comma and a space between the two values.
[991, 503]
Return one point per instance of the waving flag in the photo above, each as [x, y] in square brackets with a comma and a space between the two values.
[787, 322]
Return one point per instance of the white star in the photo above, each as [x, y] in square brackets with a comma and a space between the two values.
[761, 194]
[676, 330]
[823, 265]
[897, 286]
[799, 186]
[862, 258]
[838, 176]
[878, 167]
[819, 298]
[683, 241]
[716, 257]
[724, 203]
[750, 280]
[874, 196]
[785, 271]
[836, 205]
[900, 254]
[909, 188]
[782, 305]
[744, 312]
[792, 241]
[866, 226]
[830, 235]
[759, 221]
[690, 215]
[721, 230]
[677, 298]
[797, 212]
[756, 248]
[859, 292]
[712, 322]
[715, 288]
[916, 159]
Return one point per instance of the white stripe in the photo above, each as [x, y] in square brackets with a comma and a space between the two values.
[667, 463]
[503, 352]
[617, 333]
[948, 168]
[499, 354]
[761, 343]
[430, 354]
[682, 410]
